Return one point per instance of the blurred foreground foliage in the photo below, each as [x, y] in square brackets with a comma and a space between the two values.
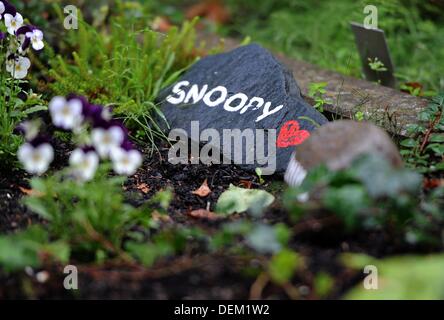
[400, 278]
[371, 195]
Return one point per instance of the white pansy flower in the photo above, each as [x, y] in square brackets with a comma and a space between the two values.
[2, 9]
[36, 160]
[18, 67]
[36, 37]
[66, 114]
[84, 163]
[104, 140]
[125, 162]
[12, 23]
[21, 39]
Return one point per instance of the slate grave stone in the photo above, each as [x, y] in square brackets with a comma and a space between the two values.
[246, 89]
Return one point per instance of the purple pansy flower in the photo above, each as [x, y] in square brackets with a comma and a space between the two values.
[17, 66]
[84, 162]
[13, 22]
[98, 116]
[66, 114]
[126, 159]
[6, 8]
[127, 145]
[28, 129]
[105, 139]
[30, 35]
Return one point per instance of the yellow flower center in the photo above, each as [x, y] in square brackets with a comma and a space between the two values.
[126, 161]
[107, 139]
[36, 157]
[65, 110]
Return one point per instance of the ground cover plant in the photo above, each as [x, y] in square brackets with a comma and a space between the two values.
[133, 61]
[17, 38]
[82, 186]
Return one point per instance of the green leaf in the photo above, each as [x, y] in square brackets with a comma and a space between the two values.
[380, 179]
[356, 260]
[323, 284]
[424, 116]
[22, 249]
[439, 166]
[437, 137]
[38, 206]
[409, 143]
[347, 202]
[283, 233]
[35, 109]
[437, 148]
[14, 256]
[59, 250]
[283, 265]
[264, 239]
[240, 200]
[148, 253]
[38, 184]
[163, 198]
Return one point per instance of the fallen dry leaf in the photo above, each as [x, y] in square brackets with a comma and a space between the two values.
[161, 24]
[203, 214]
[213, 10]
[433, 183]
[203, 191]
[413, 85]
[143, 187]
[30, 192]
[246, 184]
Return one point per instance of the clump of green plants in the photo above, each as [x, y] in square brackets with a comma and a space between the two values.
[411, 88]
[317, 91]
[16, 103]
[371, 195]
[359, 116]
[83, 205]
[377, 66]
[424, 149]
[279, 264]
[125, 66]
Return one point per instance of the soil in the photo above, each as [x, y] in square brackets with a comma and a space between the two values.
[193, 275]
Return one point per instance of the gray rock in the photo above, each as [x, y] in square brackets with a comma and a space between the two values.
[337, 145]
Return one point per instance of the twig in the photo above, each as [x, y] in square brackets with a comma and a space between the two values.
[429, 131]
[291, 291]
[94, 235]
[258, 286]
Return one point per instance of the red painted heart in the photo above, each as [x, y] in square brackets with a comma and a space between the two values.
[290, 135]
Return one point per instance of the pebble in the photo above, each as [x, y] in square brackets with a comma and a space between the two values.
[42, 276]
